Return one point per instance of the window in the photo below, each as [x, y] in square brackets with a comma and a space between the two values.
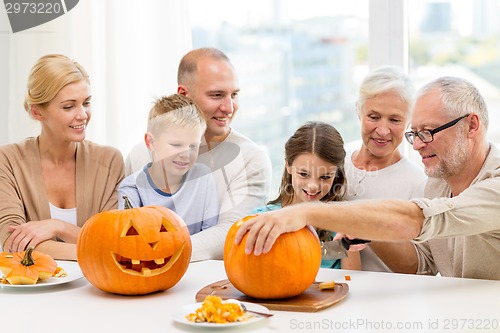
[296, 61]
[458, 39]
[303, 60]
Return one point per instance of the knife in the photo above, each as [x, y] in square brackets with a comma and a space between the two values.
[337, 249]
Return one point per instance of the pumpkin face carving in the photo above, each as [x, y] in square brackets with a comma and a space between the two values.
[286, 271]
[134, 251]
[147, 240]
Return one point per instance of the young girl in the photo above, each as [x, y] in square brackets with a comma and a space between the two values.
[314, 171]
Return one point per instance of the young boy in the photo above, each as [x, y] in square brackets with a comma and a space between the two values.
[173, 179]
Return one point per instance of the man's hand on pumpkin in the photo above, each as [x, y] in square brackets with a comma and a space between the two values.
[265, 228]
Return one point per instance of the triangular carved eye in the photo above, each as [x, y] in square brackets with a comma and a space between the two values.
[132, 232]
[166, 226]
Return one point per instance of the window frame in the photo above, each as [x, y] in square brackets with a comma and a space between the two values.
[388, 33]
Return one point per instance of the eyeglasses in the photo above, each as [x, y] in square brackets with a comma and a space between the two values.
[428, 135]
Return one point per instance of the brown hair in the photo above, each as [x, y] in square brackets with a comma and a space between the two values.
[48, 76]
[323, 140]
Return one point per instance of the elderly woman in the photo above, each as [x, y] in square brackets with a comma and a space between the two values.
[51, 184]
[378, 170]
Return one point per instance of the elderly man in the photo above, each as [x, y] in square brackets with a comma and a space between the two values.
[455, 230]
[241, 169]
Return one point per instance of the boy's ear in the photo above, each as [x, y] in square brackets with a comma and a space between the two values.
[149, 140]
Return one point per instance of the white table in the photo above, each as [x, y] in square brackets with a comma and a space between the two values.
[376, 302]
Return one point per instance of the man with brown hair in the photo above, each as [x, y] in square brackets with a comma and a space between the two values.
[241, 169]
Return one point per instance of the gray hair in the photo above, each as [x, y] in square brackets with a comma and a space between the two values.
[386, 79]
[459, 97]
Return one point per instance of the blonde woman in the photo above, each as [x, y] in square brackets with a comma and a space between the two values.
[51, 184]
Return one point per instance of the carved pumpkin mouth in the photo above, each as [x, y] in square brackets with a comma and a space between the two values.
[146, 267]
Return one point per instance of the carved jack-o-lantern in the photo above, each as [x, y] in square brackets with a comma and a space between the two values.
[134, 251]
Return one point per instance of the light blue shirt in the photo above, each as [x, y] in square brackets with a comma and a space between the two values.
[195, 201]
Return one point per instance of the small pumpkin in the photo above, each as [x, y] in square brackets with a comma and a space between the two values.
[134, 251]
[27, 267]
[286, 271]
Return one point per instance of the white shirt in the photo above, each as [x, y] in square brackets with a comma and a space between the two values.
[403, 180]
[66, 215]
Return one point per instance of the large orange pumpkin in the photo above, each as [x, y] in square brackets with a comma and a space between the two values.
[287, 270]
[134, 251]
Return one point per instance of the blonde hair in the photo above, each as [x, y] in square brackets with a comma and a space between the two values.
[175, 109]
[48, 76]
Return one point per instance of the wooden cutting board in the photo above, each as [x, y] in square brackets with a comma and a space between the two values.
[311, 300]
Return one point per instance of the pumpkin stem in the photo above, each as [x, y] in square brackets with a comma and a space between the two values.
[127, 202]
[28, 258]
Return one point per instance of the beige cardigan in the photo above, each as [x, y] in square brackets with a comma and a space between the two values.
[99, 170]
